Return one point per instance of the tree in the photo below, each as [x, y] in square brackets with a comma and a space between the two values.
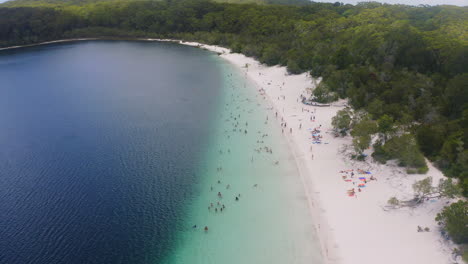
[386, 126]
[342, 121]
[423, 191]
[364, 127]
[362, 132]
[454, 219]
[423, 187]
[446, 188]
[404, 149]
[323, 94]
[361, 143]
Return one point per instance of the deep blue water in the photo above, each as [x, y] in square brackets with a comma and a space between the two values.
[99, 142]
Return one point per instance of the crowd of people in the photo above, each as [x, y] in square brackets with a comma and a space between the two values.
[358, 178]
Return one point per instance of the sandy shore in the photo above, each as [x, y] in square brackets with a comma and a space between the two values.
[48, 42]
[353, 229]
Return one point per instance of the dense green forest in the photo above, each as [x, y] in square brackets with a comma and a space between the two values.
[407, 67]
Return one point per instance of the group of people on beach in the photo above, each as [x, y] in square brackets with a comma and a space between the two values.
[358, 178]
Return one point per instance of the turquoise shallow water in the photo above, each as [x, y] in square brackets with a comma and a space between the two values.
[110, 149]
[270, 222]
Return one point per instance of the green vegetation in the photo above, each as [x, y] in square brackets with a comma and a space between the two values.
[342, 121]
[404, 149]
[454, 219]
[362, 132]
[423, 191]
[323, 94]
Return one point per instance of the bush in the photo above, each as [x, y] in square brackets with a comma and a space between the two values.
[454, 219]
[359, 157]
[404, 149]
[271, 55]
[421, 170]
[465, 255]
[323, 94]
[342, 121]
[379, 154]
[361, 143]
[393, 201]
[293, 67]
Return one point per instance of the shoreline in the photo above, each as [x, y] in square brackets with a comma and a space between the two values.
[48, 42]
[100, 38]
[350, 230]
[319, 220]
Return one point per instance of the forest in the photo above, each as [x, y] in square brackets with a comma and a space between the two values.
[405, 66]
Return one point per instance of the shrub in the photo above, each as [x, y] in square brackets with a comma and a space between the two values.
[323, 94]
[379, 154]
[293, 67]
[404, 149]
[393, 201]
[454, 219]
[342, 121]
[361, 143]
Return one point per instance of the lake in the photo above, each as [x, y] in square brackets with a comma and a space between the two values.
[123, 151]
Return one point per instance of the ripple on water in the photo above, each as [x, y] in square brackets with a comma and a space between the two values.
[269, 222]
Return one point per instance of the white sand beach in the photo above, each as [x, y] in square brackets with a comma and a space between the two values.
[352, 229]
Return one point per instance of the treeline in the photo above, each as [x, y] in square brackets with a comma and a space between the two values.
[405, 66]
